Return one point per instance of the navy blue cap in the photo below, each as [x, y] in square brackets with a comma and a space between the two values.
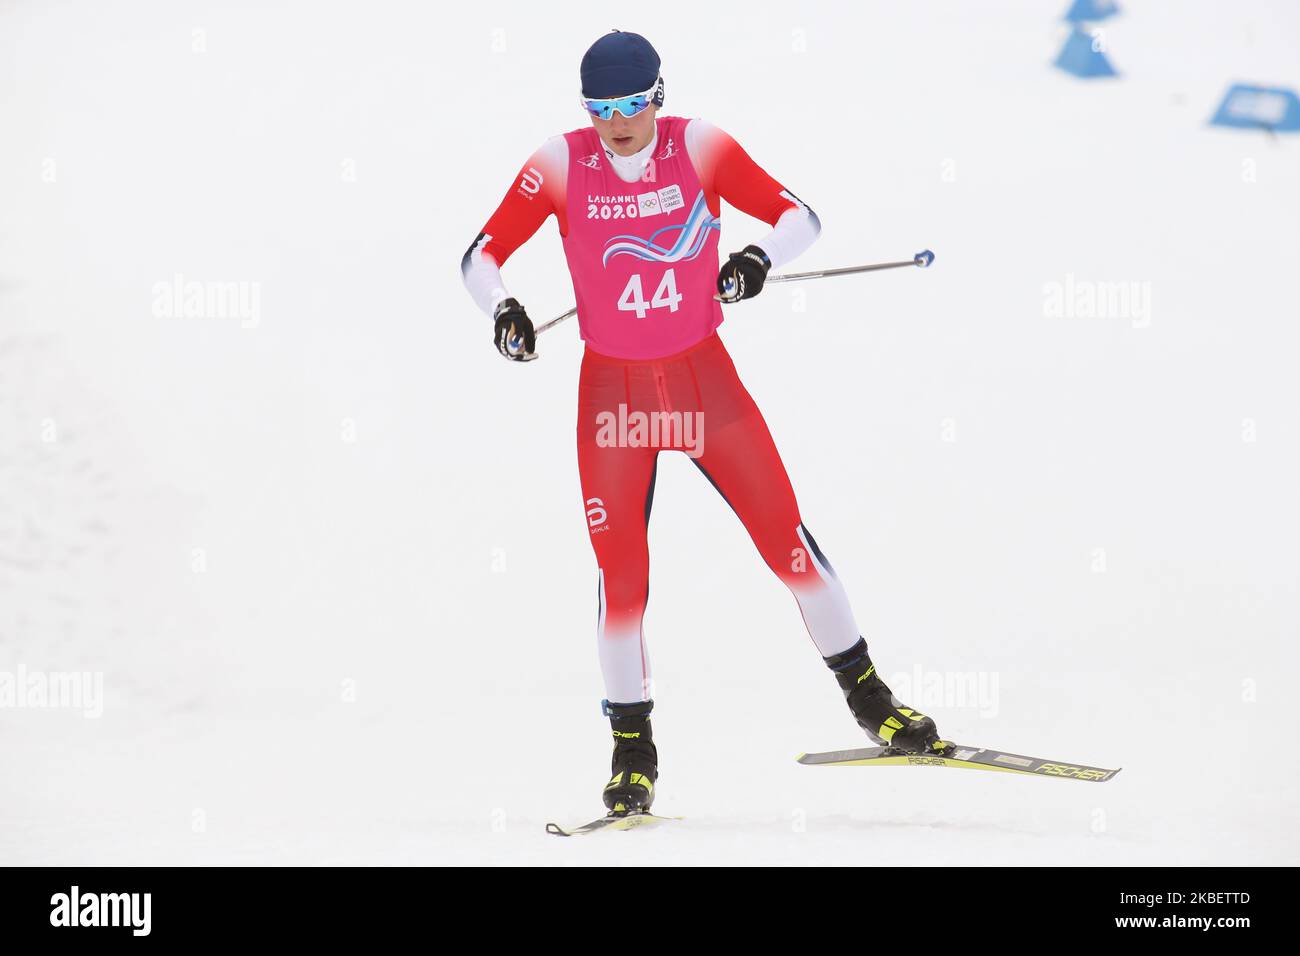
[619, 64]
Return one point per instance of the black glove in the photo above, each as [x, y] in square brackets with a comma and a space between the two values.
[513, 323]
[742, 274]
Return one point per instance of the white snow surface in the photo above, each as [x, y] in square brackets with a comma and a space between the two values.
[332, 564]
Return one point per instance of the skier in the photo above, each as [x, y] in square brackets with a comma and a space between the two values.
[636, 196]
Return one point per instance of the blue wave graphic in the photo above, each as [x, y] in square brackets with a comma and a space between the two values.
[690, 239]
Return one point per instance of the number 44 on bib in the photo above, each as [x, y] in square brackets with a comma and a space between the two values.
[633, 296]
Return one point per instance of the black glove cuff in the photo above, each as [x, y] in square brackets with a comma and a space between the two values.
[507, 305]
[757, 256]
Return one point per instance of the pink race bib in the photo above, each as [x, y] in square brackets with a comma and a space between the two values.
[643, 255]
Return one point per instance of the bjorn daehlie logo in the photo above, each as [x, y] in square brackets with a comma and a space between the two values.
[597, 517]
[530, 184]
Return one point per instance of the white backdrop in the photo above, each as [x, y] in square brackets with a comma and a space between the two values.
[327, 553]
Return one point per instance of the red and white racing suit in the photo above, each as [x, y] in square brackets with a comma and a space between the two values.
[641, 235]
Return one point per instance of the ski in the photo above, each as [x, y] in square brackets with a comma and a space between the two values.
[959, 755]
[611, 821]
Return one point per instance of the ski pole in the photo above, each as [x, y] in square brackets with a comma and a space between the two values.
[555, 321]
[921, 260]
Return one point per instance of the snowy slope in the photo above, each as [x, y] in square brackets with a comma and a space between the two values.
[330, 560]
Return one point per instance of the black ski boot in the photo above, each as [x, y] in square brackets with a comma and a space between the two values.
[886, 720]
[635, 764]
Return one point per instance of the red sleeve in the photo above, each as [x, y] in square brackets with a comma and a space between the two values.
[537, 192]
[727, 170]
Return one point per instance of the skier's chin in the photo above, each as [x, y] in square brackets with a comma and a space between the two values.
[623, 145]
